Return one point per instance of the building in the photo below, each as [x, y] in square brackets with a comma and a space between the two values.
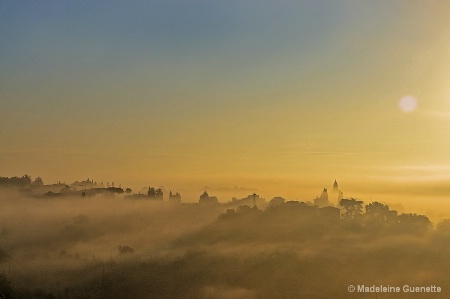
[83, 185]
[336, 193]
[331, 198]
[206, 199]
[251, 201]
[174, 197]
[322, 200]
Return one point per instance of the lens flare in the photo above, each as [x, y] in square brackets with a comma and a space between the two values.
[408, 104]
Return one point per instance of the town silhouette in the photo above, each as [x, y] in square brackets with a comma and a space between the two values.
[100, 240]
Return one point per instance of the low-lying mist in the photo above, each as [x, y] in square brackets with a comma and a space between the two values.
[113, 247]
[43, 235]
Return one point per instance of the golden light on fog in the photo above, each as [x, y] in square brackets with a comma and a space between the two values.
[408, 104]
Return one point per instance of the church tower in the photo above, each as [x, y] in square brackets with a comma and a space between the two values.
[335, 186]
[322, 201]
[336, 193]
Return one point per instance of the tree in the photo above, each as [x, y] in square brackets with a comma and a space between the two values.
[443, 226]
[159, 194]
[414, 223]
[243, 209]
[229, 214]
[26, 180]
[353, 208]
[38, 182]
[22, 182]
[379, 212]
[125, 249]
[151, 192]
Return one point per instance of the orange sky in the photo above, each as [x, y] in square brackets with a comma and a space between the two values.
[281, 99]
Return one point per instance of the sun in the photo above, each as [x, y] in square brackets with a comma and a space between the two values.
[408, 104]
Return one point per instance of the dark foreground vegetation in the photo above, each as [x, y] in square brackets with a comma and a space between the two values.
[109, 247]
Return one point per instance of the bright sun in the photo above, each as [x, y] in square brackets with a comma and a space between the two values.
[408, 104]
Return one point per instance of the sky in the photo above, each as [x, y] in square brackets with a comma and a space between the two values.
[280, 97]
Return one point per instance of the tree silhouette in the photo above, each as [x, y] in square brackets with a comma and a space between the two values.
[38, 182]
[159, 194]
[22, 182]
[353, 208]
[414, 223]
[151, 192]
[379, 212]
[125, 249]
[443, 226]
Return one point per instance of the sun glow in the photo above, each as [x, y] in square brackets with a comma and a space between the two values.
[408, 104]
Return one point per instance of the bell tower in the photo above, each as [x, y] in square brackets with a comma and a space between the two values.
[335, 186]
[337, 194]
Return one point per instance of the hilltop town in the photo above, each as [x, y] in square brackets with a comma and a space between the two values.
[88, 188]
[329, 205]
[102, 240]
